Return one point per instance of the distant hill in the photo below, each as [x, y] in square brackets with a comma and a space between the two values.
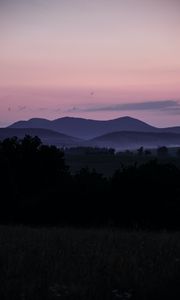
[47, 136]
[171, 129]
[133, 140]
[86, 129]
[125, 132]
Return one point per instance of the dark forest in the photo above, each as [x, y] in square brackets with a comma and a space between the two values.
[38, 189]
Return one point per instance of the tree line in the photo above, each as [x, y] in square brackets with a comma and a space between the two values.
[37, 188]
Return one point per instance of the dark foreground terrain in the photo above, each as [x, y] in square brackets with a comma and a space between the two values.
[38, 188]
[77, 234]
[88, 264]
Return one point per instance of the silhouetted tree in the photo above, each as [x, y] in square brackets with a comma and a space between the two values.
[140, 151]
[128, 152]
[147, 152]
[162, 151]
[178, 152]
[37, 188]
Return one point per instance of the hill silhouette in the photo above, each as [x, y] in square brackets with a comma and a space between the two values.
[47, 136]
[85, 128]
[120, 133]
[127, 140]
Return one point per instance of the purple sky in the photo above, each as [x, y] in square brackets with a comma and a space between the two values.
[97, 59]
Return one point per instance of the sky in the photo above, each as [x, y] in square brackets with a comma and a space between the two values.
[98, 59]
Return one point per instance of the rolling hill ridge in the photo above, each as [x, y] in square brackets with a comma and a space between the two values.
[132, 140]
[47, 136]
[88, 129]
[120, 133]
[85, 128]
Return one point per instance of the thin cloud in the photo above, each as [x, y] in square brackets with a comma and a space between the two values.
[21, 108]
[166, 105]
[30, 109]
[41, 109]
[174, 110]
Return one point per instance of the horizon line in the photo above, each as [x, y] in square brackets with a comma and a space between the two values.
[87, 119]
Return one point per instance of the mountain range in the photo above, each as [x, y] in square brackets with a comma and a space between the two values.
[87, 129]
[47, 136]
[133, 140]
[120, 133]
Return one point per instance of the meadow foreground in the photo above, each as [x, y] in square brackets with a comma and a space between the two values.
[62, 263]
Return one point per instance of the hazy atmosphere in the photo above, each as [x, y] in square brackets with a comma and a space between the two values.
[95, 59]
[90, 149]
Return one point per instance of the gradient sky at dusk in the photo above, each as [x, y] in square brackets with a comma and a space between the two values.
[91, 58]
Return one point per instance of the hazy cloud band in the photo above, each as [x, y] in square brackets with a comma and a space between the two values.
[166, 105]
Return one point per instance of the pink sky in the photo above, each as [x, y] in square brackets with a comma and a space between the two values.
[63, 57]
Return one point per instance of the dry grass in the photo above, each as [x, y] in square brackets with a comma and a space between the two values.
[104, 264]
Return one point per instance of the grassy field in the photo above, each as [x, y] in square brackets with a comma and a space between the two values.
[108, 164]
[88, 264]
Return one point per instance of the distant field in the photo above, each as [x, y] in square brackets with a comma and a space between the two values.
[108, 164]
[88, 264]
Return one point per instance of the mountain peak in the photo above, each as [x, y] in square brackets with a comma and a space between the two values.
[37, 119]
[86, 128]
